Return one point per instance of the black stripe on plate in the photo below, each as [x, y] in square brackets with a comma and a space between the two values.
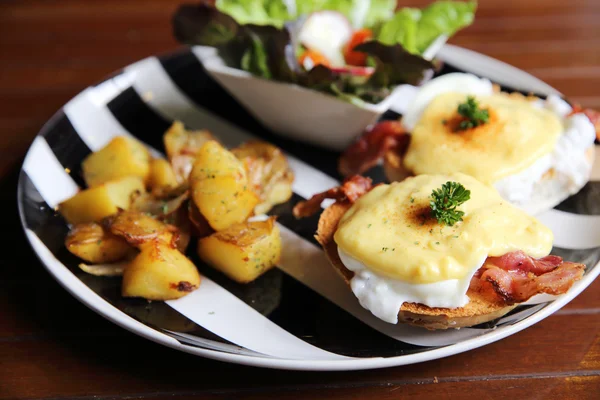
[390, 115]
[139, 118]
[303, 227]
[188, 74]
[39, 217]
[67, 145]
[51, 228]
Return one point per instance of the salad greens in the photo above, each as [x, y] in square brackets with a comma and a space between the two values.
[413, 28]
[362, 13]
[416, 29]
[262, 37]
[270, 52]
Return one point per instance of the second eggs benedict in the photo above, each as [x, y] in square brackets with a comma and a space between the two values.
[535, 152]
[437, 251]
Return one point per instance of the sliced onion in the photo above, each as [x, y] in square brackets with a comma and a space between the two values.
[114, 269]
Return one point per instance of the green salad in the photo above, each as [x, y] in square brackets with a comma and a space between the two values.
[358, 50]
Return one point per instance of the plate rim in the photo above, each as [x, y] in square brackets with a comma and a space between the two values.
[85, 295]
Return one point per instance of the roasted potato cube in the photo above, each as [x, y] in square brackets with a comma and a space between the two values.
[159, 272]
[122, 156]
[92, 243]
[182, 146]
[162, 175]
[244, 251]
[93, 204]
[137, 229]
[223, 202]
[268, 172]
[220, 188]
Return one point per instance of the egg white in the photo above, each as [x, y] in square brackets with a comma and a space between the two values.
[384, 296]
[525, 189]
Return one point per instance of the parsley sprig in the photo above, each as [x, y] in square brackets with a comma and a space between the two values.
[446, 199]
[474, 116]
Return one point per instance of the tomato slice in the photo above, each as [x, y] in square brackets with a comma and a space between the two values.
[353, 70]
[356, 57]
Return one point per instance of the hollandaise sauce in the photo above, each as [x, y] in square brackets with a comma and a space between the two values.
[516, 135]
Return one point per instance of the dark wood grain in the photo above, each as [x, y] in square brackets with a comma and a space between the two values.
[80, 364]
[51, 50]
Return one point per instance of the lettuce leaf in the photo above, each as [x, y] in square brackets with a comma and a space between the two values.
[361, 13]
[257, 12]
[444, 17]
[270, 53]
[394, 65]
[402, 29]
[416, 29]
[379, 12]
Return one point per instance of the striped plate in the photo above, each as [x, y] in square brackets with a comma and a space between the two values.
[300, 315]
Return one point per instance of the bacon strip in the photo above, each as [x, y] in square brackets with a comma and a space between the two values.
[593, 115]
[521, 262]
[516, 277]
[364, 154]
[351, 189]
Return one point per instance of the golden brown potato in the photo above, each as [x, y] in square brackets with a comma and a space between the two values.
[219, 187]
[92, 243]
[170, 210]
[268, 172]
[200, 226]
[159, 272]
[122, 156]
[182, 146]
[162, 175]
[243, 252]
[93, 204]
[138, 228]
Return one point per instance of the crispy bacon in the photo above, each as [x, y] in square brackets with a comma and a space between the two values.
[351, 189]
[364, 154]
[516, 277]
[593, 115]
[521, 262]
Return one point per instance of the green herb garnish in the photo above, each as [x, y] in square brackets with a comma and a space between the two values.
[474, 115]
[446, 199]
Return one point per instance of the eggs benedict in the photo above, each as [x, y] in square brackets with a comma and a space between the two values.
[535, 152]
[437, 250]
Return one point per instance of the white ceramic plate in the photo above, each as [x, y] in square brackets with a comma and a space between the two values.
[299, 316]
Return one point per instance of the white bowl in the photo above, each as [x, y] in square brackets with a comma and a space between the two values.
[301, 113]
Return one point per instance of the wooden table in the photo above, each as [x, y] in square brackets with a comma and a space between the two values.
[50, 50]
